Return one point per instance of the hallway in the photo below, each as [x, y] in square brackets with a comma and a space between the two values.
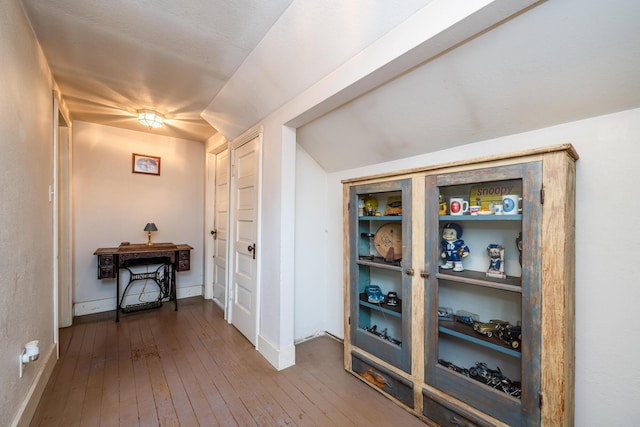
[190, 368]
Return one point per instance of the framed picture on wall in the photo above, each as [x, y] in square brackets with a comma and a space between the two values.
[149, 165]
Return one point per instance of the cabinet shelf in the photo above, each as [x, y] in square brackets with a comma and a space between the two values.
[379, 262]
[393, 311]
[480, 217]
[478, 278]
[466, 333]
[381, 218]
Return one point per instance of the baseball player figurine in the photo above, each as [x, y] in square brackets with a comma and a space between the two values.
[453, 248]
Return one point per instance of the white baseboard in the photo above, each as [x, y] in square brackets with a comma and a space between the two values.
[281, 358]
[45, 366]
[109, 304]
[190, 291]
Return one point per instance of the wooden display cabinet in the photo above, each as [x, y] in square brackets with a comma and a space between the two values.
[470, 343]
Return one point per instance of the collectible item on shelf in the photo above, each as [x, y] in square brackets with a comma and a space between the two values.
[511, 204]
[383, 334]
[445, 313]
[388, 241]
[519, 246]
[458, 206]
[512, 335]
[442, 206]
[466, 317]
[487, 194]
[487, 329]
[374, 294]
[456, 368]
[494, 378]
[394, 206]
[496, 261]
[453, 247]
[491, 377]
[392, 299]
[370, 205]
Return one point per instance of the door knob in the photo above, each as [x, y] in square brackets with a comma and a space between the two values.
[252, 249]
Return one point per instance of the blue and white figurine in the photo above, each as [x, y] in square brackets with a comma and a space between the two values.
[453, 247]
[496, 261]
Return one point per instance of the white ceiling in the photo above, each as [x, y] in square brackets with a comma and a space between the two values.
[113, 57]
[562, 60]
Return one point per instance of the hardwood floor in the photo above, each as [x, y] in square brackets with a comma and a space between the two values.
[191, 368]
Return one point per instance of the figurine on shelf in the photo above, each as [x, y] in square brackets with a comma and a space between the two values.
[519, 246]
[496, 261]
[370, 205]
[453, 248]
[442, 206]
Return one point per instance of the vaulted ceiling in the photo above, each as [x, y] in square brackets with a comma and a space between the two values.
[559, 61]
[112, 58]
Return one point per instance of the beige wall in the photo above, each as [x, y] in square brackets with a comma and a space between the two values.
[112, 204]
[26, 305]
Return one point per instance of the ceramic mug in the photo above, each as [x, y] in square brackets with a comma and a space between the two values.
[458, 206]
[473, 210]
[497, 209]
[511, 204]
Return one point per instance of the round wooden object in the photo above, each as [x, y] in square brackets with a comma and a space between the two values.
[389, 236]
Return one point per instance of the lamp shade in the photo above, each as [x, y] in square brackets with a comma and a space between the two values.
[150, 227]
[150, 118]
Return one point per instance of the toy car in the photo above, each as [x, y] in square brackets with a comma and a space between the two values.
[445, 313]
[374, 294]
[487, 329]
[392, 299]
[466, 317]
[490, 328]
[512, 335]
[501, 323]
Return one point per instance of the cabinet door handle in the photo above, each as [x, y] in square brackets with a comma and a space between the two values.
[424, 274]
[409, 271]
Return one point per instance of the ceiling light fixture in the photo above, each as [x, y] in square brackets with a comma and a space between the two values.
[150, 118]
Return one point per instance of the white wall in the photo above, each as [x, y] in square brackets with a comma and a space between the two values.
[607, 295]
[311, 299]
[26, 281]
[112, 204]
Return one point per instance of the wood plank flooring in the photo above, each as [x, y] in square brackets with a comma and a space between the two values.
[191, 368]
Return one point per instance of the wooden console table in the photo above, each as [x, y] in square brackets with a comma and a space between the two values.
[171, 258]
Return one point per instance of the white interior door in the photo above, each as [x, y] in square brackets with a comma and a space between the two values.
[220, 232]
[60, 196]
[245, 248]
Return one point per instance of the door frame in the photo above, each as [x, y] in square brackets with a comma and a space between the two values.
[62, 228]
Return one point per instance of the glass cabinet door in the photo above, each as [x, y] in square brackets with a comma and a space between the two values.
[380, 281]
[482, 332]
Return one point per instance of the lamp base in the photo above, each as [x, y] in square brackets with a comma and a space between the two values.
[149, 241]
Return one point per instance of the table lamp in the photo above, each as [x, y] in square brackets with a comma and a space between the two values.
[149, 228]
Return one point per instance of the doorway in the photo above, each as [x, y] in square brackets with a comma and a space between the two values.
[62, 216]
[218, 222]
